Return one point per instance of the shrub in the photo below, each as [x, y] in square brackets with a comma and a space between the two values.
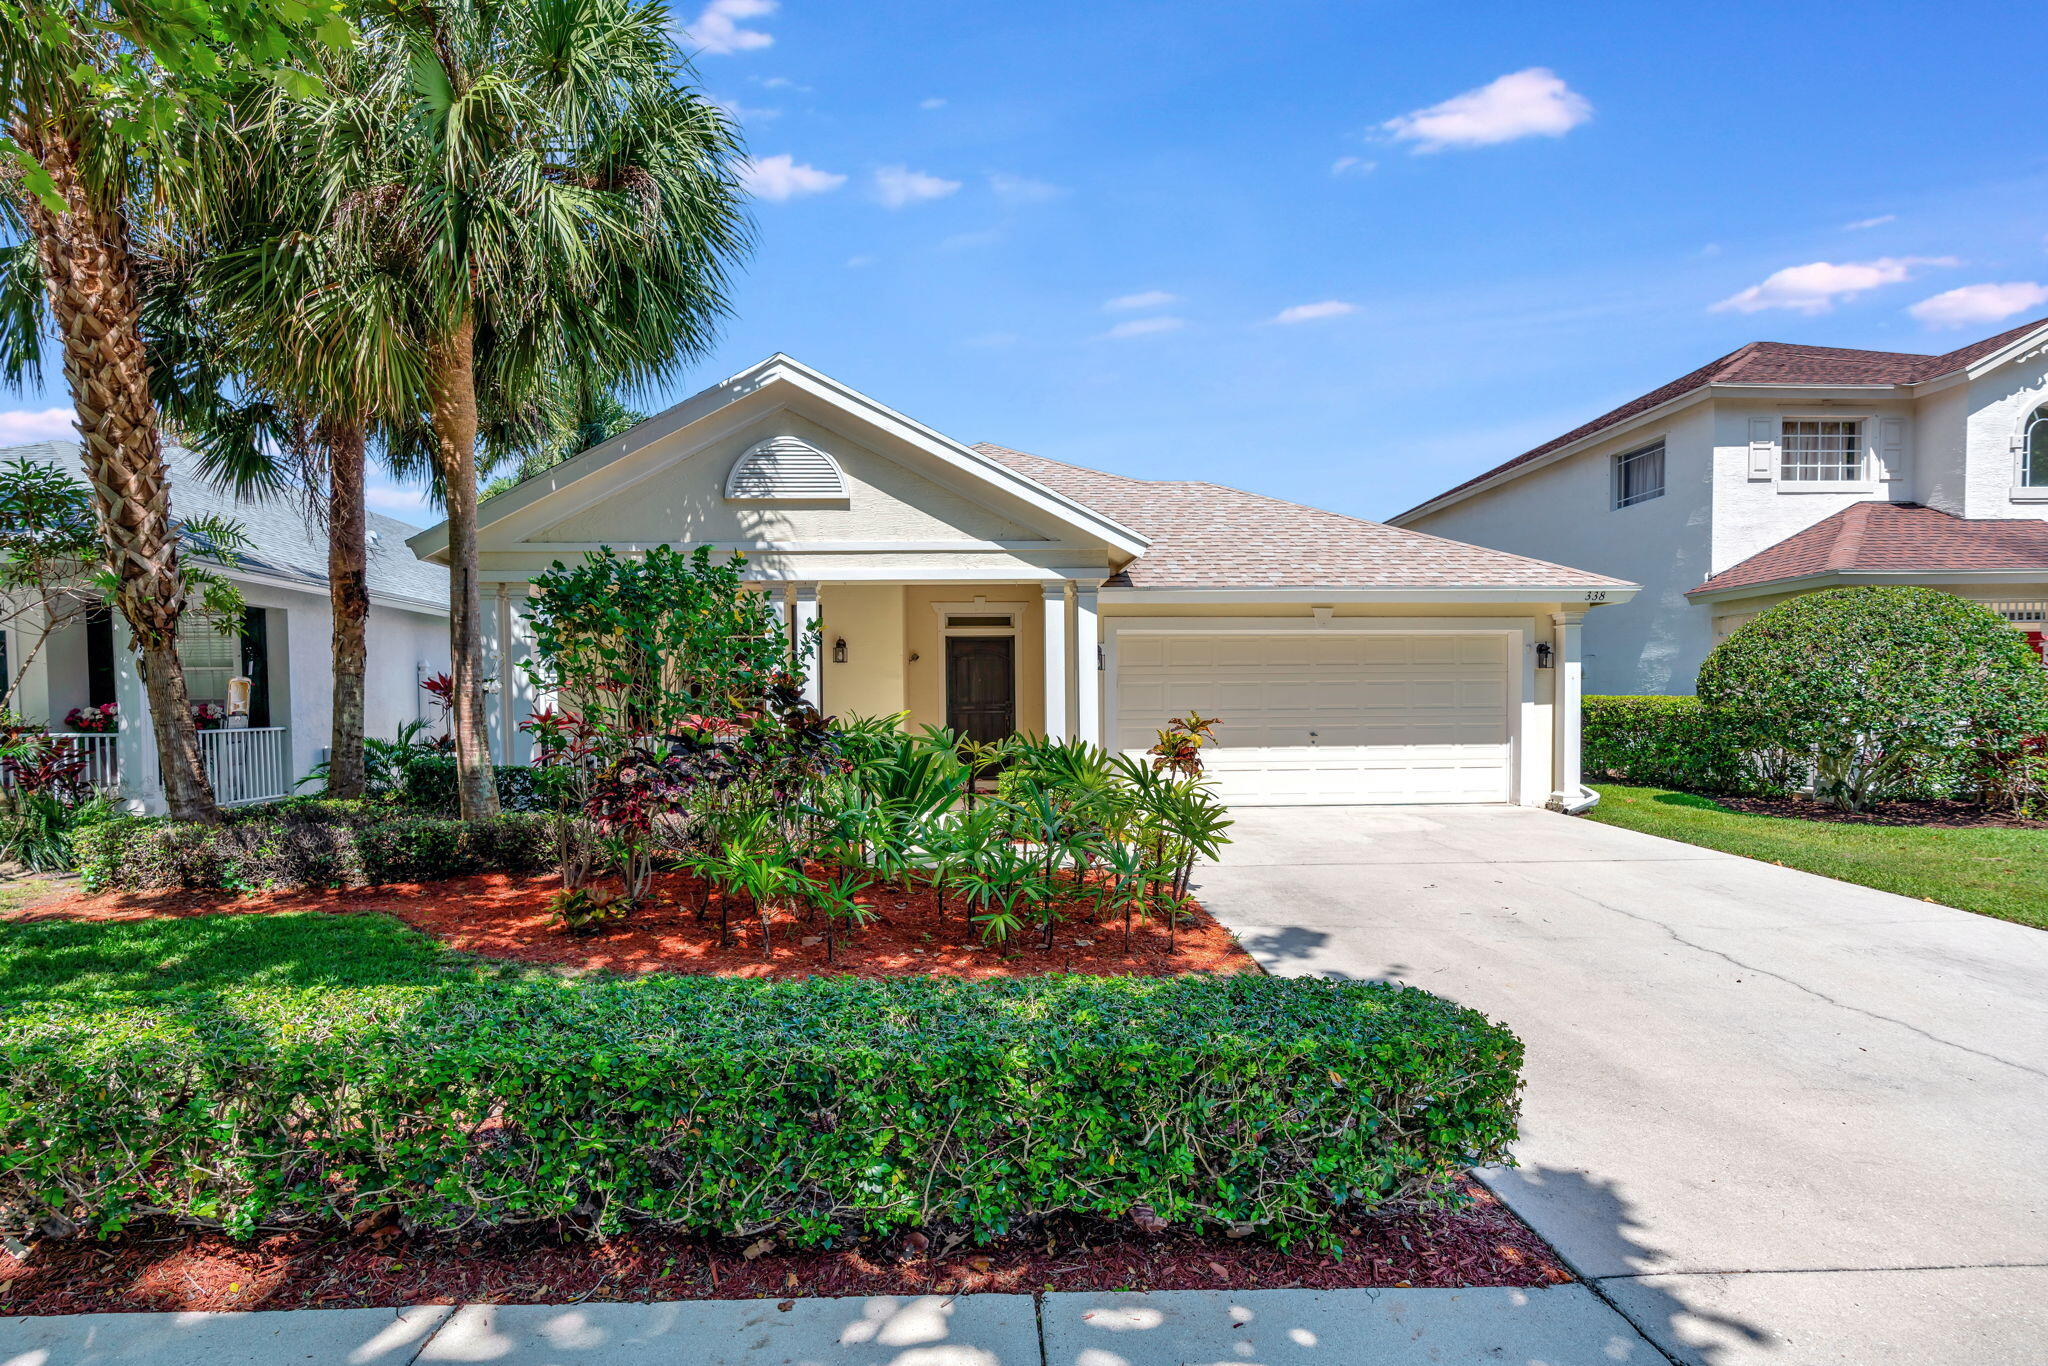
[1879, 685]
[1663, 742]
[356, 846]
[427, 783]
[814, 1111]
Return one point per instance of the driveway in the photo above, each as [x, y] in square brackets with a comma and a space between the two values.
[1771, 1117]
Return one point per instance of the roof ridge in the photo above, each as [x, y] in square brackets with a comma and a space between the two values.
[1842, 551]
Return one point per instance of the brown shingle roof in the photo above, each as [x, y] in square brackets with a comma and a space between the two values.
[1893, 538]
[1208, 536]
[1773, 363]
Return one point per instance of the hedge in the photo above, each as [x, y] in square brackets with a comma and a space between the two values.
[814, 1111]
[428, 783]
[306, 843]
[1662, 742]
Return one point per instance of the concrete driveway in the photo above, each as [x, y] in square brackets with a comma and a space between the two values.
[1771, 1117]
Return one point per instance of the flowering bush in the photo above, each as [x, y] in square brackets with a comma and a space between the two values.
[207, 715]
[94, 720]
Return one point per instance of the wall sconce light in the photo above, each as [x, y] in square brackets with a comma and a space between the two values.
[1543, 660]
[839, 650]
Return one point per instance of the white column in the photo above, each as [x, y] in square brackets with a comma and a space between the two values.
[501, 701]
[517, 686]
[1565, 698]
[135, 740]
[1056, 660]
[1088, 676]
[803, 598]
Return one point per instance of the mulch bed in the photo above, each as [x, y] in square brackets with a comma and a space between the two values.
[1939, 814]
[496, 915]
[167, 1269]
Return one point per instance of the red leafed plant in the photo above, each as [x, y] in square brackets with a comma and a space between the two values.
[1179, 750]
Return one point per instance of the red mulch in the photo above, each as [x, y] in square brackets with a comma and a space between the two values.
[497, 915]
[1946, 815]
[168, 1269]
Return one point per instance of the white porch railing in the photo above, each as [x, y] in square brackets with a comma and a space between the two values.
[248, 765]
[102, 762]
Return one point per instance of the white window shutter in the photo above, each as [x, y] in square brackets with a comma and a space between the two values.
[1891, 448]
[1763, 447]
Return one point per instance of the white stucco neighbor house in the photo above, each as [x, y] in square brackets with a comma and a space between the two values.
[284, 647]
[1780, 469]
[993, 591]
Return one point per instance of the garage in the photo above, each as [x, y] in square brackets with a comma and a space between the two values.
[1328, 717]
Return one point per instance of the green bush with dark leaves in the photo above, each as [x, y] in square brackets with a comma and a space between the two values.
[1663, 742]
[814, 1111]
[427, 783]
[1888, 689]
[306, 842]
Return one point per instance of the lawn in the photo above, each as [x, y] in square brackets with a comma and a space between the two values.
[1990, 871]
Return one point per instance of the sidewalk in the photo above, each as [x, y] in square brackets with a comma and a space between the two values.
[1562, 1324]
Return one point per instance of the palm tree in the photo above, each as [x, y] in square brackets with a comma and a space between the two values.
[552, 192]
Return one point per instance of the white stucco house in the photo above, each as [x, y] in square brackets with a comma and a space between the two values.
[284, 647]
[994, 591]
[1779, 469]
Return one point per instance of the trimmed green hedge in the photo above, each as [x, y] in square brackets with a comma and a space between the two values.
[816, 1111]
[306, 843]
[429, 784]
[1662, 742]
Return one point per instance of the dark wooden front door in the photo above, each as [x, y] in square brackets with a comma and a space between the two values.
[981, 686]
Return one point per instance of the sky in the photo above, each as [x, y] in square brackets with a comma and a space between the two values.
[1348, 253]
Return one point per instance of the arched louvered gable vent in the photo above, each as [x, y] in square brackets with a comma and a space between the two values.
[784, 467]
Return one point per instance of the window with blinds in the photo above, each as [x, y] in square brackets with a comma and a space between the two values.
[210, 658]
[1639, 476]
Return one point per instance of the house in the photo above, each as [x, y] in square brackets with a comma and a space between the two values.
[284, 647]
[992, 591]
[1776, 470]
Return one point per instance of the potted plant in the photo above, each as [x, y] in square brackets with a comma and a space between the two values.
[94, 720]
[207, 715]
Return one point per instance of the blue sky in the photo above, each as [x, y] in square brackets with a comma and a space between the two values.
[1350, 253]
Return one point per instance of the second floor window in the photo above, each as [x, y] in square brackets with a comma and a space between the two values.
[1639, 476]
[1821, 450]
[2034, 451]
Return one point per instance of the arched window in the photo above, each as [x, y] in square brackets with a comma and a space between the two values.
[2034, 450]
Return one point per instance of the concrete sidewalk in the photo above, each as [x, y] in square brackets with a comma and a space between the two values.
[1562, 1325]
[1776, 1119]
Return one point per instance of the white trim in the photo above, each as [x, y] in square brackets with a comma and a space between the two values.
[783, 547]
[980, 607]
[746, 484]
[2013, 350]
[1468, 593]
[1054, 614]
[1836, 578]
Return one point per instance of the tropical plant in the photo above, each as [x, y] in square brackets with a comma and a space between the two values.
[1179, 750]
[836, 899]
[541, 185]
[1875, 684]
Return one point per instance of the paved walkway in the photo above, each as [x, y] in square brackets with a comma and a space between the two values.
[1563, 1325]
[1774, 1118]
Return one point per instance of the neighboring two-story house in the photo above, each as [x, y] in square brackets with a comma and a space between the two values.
[1776, 470]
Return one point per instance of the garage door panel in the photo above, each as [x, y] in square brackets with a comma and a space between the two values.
[1340, 718]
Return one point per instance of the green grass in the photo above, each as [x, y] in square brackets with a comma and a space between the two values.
[1990, 871]
[107, 962]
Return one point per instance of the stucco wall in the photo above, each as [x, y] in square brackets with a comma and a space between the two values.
[1752, 515]
[869, 618]
[924, 636]
[1999, 404]
[1565, 513]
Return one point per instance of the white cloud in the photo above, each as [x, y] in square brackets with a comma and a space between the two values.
[1353, 166]
[782, 83]
[1979, 303]
[896, 186]
[782, 177]
[1307, 313]
[1818, 286]
[1145, 327]
[719, 26]
[1521, 104]
[1017, 189]
[20, 425]
[406, 504]
[1149, 298]
[859, 262]
[933, 102]
[743, 113]
[1860, 224]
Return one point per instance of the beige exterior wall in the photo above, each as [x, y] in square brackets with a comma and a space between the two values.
[924, 637]
[869, 618]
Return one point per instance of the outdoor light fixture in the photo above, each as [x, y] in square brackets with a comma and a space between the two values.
[1543, 654]
[839, 650]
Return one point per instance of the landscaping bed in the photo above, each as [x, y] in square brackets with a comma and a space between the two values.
[1949, 815]
[507, 916]
[165, 1268]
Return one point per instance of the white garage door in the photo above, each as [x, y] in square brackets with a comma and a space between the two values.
[1328, 718]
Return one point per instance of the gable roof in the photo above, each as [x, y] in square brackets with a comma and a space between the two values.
[1767, 363]
[1210, 536]
[284, 543]
[1892, 538]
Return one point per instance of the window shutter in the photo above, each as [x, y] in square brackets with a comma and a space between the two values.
[1891, 448]
[1763, 447]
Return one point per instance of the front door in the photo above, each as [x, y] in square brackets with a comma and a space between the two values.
[981, 686]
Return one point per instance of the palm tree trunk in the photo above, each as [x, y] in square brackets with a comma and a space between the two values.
[89, 271]
[348, 591]
[451, 396]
